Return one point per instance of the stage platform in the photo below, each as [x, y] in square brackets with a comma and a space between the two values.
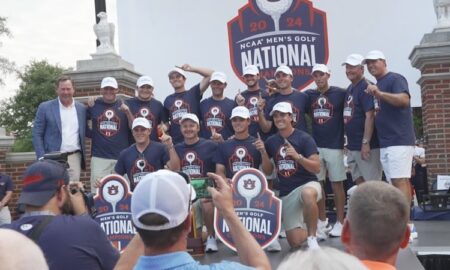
[433, 239]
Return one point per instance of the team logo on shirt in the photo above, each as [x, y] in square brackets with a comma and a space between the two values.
[286, 165]
[240, 160]
[252, 106]
[322, 110]
[270, 33]
[140, 169]
[215, 118]
[108, 123]
[192, 165]
[147, 114]
[349, 106]
[178, 109]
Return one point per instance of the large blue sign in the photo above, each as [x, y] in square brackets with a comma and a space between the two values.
[270, 33]
[257, 207]
[112, 202]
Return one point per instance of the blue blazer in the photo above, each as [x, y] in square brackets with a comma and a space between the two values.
[47, 128]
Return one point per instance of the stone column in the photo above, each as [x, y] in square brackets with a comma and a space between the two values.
[432, 58]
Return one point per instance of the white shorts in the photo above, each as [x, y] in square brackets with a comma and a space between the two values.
[370, 169]
[397, 161]
[331, 160]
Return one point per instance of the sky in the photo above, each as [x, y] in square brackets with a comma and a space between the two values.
[60, 31]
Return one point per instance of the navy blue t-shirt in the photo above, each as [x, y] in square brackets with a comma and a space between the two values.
[178, 104]
[71, 242]
[6, 184]
[196, 159]
[394, 124]
[152, 110]
[216, 113]
[357, 103]
[290, 172]
[136, 164]
[236, 155]
[251, 101]
[298, 101]
[327, 117]
[110, 132]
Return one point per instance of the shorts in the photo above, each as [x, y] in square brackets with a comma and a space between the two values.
[100, 167]
[397, 161]
[292, 206]
[370, 169]
[331, 160]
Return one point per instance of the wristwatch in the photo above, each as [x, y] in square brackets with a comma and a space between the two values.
[365, 141]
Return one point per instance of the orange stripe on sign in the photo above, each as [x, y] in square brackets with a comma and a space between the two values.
[31, 179]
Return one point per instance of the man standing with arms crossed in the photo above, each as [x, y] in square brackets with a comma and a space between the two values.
[184, 101]
[393, 122]
[60, 125]
[363, 156]
[326, 104]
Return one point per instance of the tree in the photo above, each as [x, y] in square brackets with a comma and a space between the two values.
[17, 113]
[6, 66]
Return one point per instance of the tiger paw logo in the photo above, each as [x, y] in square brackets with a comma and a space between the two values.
[322, 110]
[215, 118]
[113, 190]
[108, 123]
[270, 33]
[249, 184]
[178, 109]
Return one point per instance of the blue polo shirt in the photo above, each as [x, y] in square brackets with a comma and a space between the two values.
[178, 104]
[394, 124]
[327, 117]
[196, 159]
[182, 260]
[290, 172]
[357, 104]
[153, 110]
[216, 114]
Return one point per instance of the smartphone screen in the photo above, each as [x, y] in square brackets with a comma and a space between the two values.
[201, 186]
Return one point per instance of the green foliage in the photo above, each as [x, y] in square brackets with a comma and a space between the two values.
[18, 112]
[6, 66]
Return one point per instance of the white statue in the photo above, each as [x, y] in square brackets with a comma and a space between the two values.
[105, 34]
[274, 9]
[442, 9]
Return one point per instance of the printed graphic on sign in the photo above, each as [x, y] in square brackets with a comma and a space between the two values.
[257, 207]
[271, 33]
[112, 203]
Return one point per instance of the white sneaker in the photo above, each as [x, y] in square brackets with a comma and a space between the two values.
[211, 244]
[312, 243]
[413, 230]
[274, 246]
[323, 228]
[337, 230]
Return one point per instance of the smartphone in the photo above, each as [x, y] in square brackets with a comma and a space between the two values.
[201, 186]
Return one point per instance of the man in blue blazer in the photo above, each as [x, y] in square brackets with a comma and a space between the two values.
[60, 125]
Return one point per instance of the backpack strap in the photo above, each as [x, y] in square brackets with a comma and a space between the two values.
[37, 231]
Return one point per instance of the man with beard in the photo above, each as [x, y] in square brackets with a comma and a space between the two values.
[145, 155]
[56, 219]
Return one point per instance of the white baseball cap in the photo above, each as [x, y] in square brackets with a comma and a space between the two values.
[109, 82]
[218, 76]
[320, 67]
[284, 69]
[374, 55]
[165, 193]
[141, 121]
[143, 80]
[284, 107]
[178, 70]
[354, 60]
[250, 70]
[191, 117]
[240, 111]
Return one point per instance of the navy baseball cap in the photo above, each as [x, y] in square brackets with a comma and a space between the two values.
[41, 180]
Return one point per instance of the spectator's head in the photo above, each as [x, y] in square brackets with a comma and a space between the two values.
[376, 63]
[377, 222]
[109, 89]
[325, 258]
[145, 87]
[160, 209]
[321, 75]
[65, 90]
[19, 252]
[45, 186]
